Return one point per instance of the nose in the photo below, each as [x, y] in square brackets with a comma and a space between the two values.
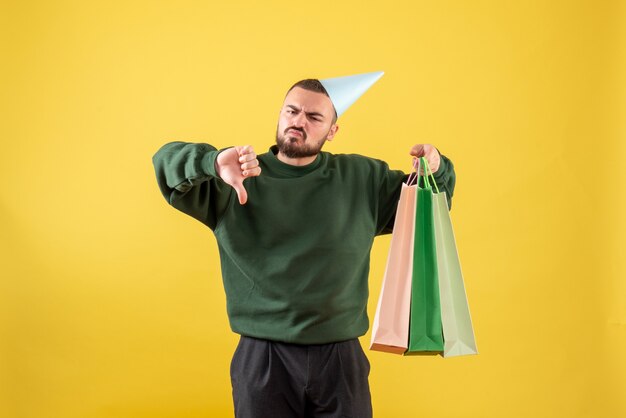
[299, 120]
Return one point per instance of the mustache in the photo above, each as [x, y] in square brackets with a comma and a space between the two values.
[293, 128]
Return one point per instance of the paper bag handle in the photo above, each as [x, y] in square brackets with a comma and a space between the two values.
[424, 163]
[413, 175]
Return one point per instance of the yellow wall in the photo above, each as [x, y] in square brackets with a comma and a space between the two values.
[111, 303]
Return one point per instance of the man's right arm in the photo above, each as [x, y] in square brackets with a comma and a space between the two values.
[187, 177]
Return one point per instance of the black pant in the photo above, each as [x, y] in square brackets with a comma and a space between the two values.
[280, 380]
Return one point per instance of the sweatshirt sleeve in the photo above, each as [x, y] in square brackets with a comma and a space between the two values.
[187, 179]
[388, 195]
[445, 177]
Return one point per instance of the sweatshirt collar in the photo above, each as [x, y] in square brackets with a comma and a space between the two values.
[277, 166]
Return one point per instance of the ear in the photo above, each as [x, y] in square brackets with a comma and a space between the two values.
[331, 133]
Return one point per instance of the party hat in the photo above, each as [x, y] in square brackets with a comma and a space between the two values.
[344, 91]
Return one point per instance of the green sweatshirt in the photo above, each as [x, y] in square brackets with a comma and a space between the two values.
[295, 258]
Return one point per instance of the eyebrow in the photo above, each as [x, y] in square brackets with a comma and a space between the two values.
[307, 113]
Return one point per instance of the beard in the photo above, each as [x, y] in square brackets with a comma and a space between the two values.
[292, 146]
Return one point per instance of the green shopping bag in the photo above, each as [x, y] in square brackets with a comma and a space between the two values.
[425, 328]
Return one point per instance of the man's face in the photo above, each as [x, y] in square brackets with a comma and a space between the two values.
[305, 123]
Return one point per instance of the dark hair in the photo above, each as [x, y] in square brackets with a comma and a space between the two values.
[313, 84]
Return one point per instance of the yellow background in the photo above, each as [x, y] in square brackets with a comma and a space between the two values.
[111, 302]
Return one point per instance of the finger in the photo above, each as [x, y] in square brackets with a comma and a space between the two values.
[247, 157]
[252, 172]
[249, 165]
[246, 149]
[433, 158]
[241, 193]
[434, 165]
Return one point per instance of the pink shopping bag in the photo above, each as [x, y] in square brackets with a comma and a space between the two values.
[390, 330]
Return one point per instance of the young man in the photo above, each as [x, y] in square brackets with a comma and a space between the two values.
[294, 227]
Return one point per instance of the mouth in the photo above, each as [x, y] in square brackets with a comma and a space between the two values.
[294, 132]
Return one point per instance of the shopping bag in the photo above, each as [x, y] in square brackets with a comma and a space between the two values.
[458, 333]
[390, 329]
[425, 327]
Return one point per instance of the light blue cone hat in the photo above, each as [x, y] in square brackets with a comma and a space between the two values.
[344, 91]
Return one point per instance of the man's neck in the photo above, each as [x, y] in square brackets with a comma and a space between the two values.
[295, 161]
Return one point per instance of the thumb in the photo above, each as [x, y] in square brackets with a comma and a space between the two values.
[241, 192]
[418, 150]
